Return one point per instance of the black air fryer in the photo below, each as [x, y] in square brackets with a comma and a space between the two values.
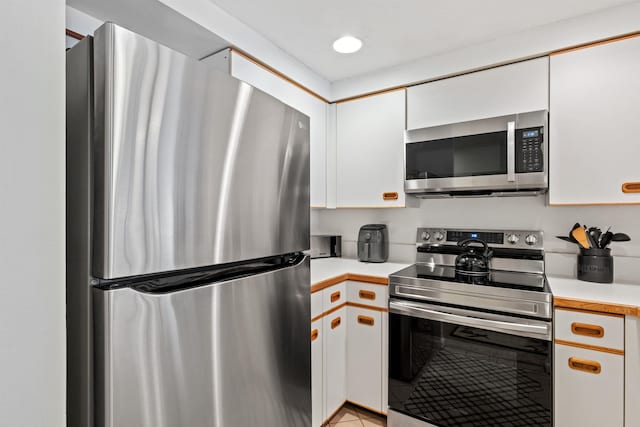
[373, 243]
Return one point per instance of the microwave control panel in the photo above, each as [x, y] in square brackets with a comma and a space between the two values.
[529, 155]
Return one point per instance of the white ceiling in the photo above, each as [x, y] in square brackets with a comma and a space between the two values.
[394, 32]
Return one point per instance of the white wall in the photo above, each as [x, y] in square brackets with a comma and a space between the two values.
[32, 233]
[488, 212]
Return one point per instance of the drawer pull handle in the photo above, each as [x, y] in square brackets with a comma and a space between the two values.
[390, 195]
[314, 335]
[593, 331]
[335, 296]
[335, 322]
[365, 320]
[631, 187]
[367, 294]
[584, 365]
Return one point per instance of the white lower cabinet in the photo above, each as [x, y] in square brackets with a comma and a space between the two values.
[348, 348]
[335, 366]
[317, 397]
[589, 388]
[364, 357]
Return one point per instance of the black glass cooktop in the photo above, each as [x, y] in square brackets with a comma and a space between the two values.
[496, 278]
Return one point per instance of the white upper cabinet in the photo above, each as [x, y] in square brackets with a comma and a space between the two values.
[594, 114]
[370, 151]
[257, 76]
[510, 89]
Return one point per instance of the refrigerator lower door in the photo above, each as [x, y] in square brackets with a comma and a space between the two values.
[228, 354]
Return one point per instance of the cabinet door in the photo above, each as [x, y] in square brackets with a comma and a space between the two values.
[364, 357]
[335, 353]
[385, 362]
[632, 372]
[316, 109]
[589, 388]
[317, 406]
[511, 89]
[370, 151]
[594, 113]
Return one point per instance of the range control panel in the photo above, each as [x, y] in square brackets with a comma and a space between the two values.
[517, 239]
[529, 155]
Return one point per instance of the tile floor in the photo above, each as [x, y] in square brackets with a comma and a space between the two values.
[353, 416]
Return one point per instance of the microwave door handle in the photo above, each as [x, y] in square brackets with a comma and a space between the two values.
[511, 151]
[493, 325]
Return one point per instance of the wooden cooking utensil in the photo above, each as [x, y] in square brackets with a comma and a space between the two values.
[581, 237]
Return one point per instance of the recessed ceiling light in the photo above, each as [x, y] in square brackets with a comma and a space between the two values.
[347, 44]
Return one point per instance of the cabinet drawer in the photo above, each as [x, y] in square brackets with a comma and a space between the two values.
[334, 296]
[591, 329]
[316, 304]
[589, 388]
[367, 293]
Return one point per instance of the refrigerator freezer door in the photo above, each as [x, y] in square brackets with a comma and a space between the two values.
[229, 354]
[192, 167]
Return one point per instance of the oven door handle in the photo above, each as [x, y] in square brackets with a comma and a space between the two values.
[514, 328]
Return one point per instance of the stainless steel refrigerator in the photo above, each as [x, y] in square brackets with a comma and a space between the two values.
[187, 217]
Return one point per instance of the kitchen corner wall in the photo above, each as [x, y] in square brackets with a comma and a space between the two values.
[489, 212]
[32, 215]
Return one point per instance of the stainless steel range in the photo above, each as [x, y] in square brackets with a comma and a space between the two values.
[470, 331]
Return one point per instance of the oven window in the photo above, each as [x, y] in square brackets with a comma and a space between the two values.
[473, 155]
[451, 375]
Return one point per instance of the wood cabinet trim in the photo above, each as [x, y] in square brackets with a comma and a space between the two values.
[595, 43]
[370, 94]
[73, 34]
[328, 312]
[597, 313]
[329, 282]
[376, 280]
[590, 347]
[595, 306]
[348, 304]
[277, 73]
[367, 307]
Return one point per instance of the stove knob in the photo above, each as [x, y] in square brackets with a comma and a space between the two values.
[425, 235]
[513, 239]
[531, 240]
[439, 236]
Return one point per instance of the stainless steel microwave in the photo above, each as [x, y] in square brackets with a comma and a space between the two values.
[499, 156]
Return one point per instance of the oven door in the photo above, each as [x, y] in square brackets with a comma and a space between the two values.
[456, 367]
[498, 154]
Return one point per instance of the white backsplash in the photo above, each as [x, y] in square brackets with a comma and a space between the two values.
[492, 212]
